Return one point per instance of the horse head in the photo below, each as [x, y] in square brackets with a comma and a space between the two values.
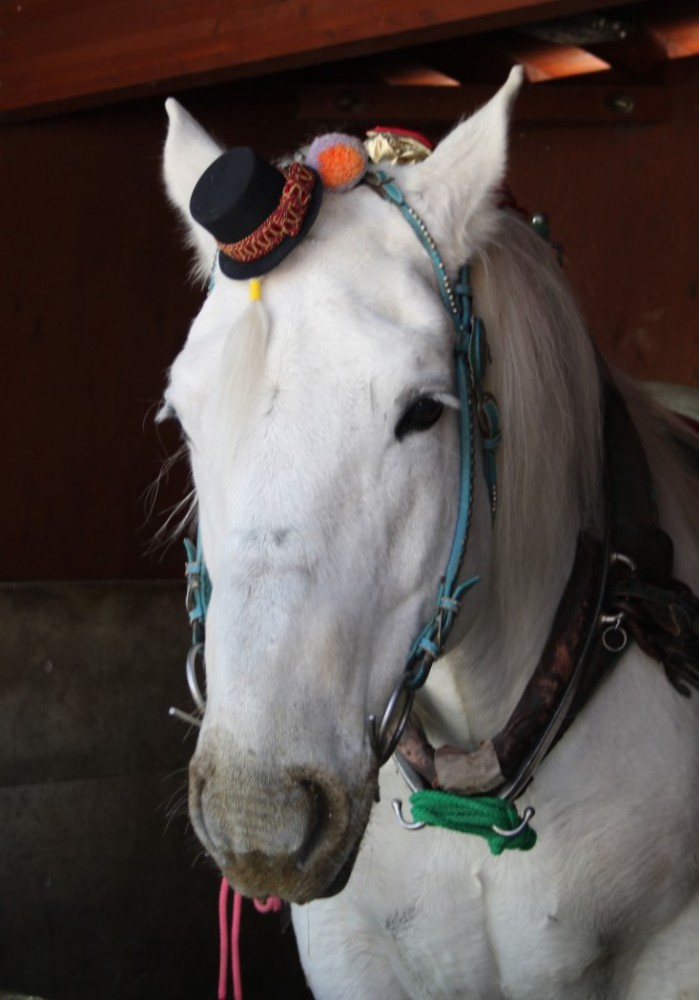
[323, 435]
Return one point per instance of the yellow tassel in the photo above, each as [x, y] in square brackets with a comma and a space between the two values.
[255, 289]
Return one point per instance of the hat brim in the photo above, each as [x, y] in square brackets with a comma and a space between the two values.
[255, 268]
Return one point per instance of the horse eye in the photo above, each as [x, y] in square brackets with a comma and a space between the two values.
[419, 416]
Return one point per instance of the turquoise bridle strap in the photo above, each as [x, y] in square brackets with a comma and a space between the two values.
[471, 340]
[198, 586]
[471, 357]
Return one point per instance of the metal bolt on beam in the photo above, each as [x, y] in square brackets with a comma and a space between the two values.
[623, 104]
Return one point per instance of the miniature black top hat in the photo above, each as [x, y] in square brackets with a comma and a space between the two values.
[256, 212]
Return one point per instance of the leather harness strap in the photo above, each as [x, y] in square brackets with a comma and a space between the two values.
[618, 587]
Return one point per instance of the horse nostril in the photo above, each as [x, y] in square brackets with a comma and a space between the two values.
[317, 819]
[327, 815]
[197, 783]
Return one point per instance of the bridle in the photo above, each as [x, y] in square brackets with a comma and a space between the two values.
[471, 357]
[475, 403]
[197, 597]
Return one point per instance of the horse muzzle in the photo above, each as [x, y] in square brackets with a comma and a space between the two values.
[292, 834]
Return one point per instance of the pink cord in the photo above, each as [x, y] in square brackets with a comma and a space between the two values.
[235, 946]
[223, 940]
[271, 905]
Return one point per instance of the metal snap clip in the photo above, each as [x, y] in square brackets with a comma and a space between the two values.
[406, 824]
[529, 814]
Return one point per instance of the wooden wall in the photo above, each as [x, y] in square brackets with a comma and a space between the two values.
[95, 304]
[95, 301]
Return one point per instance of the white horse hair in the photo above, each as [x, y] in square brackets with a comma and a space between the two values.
[325, 537]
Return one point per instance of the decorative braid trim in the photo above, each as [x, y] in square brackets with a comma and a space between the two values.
[286, 219]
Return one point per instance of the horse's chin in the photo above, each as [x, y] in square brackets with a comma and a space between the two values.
[343, 876]
[293, 886]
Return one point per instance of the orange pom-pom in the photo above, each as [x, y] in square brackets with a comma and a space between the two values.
[340, 165]
[341, 160]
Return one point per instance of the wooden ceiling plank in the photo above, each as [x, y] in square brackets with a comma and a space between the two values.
[545, 60]
[674, 25]
[680, 40]
[467, 59]
[61, 53]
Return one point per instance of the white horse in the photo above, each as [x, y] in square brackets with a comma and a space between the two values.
[326, 534]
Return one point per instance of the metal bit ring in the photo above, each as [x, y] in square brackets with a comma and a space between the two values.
[194, 656]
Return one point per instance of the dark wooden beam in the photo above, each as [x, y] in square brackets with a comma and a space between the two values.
[62, 54]
[539, 104]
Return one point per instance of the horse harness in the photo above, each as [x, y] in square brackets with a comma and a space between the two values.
[620, 588]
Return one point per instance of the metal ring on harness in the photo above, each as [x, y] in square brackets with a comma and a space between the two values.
[382, 743]
[194, 656]
[615, 637]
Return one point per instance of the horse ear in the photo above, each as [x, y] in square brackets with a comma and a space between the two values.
[457, 182]
[189, 150]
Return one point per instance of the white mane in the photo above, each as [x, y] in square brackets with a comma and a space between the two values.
[240, 376]
[545, 378]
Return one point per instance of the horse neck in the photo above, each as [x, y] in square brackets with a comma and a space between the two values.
[475, 687]
[489, 668]
[546, 378]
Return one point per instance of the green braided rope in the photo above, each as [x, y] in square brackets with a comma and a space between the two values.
[477, 815]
